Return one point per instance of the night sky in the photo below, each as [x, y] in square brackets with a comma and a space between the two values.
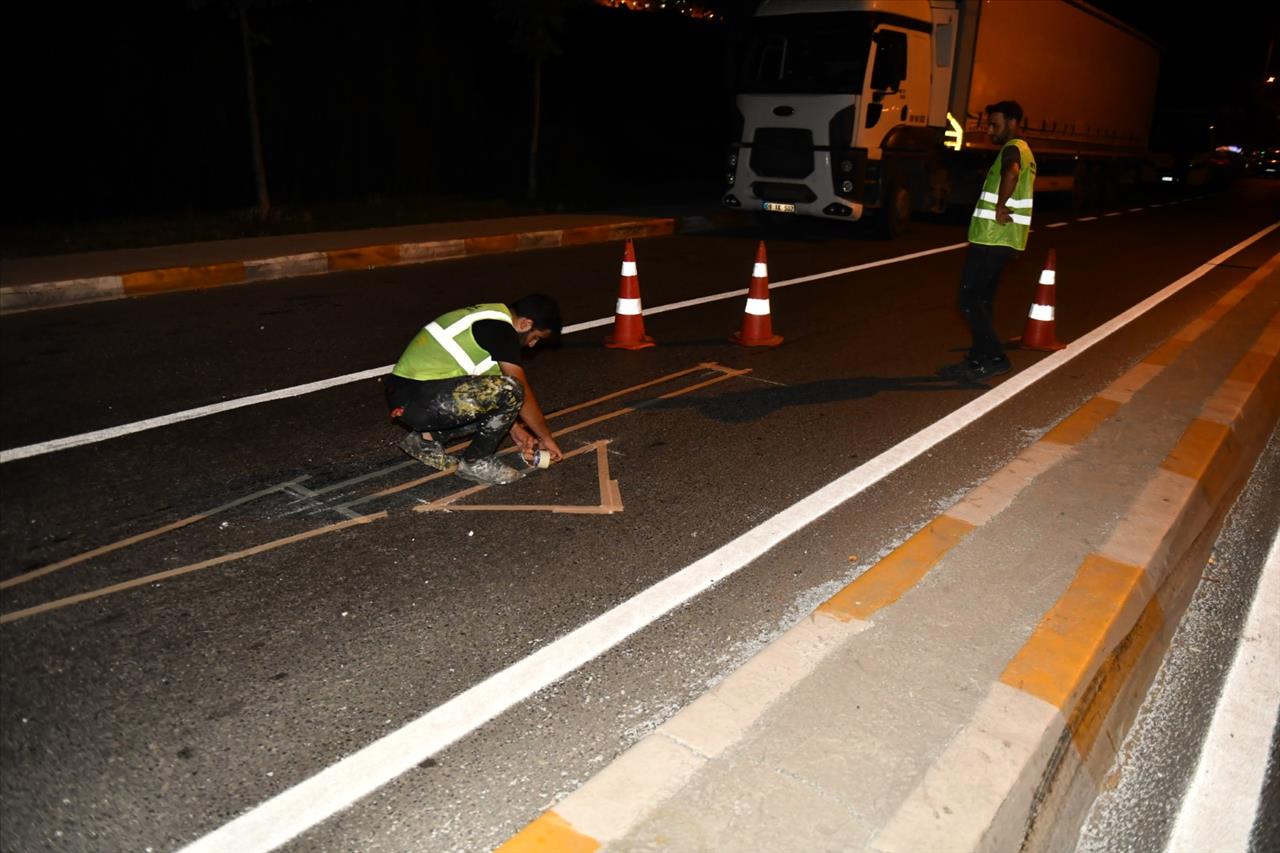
[1214, 61]
[139, 108]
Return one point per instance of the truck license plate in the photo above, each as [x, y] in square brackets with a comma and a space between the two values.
[779, 207]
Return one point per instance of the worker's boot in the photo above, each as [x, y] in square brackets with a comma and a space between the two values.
[488, 470]
[429, 453]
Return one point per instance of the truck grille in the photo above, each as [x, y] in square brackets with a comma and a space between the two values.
[782, 152]
[771, 191]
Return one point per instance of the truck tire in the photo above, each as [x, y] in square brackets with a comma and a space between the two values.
[895, 212]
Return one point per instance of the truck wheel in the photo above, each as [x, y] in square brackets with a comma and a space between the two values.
[895, 214]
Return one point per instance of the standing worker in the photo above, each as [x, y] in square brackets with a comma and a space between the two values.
[997, 232]
[461, 375]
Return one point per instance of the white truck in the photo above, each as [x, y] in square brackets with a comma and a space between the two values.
[846, 107]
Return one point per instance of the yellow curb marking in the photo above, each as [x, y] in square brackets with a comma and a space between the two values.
[549, 832]
[363, 257]
[1081, 423]
[888, 580]
[1091, 712]
[1203, 454]
[182, 278]
[1252, 367]
[1165, 354]
[1072, 637]
[1070, 660]
[488, 245]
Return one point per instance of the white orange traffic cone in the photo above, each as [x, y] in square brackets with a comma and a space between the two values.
[1039, 333]
[757, 324]
[628, 319]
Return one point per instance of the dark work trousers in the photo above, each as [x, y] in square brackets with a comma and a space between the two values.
[978, 281]
[485, 406]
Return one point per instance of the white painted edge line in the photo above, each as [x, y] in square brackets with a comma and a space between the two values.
[53, 445]
[1221, 804]
[333, 789]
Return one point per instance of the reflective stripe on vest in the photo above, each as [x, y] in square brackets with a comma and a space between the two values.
[445, 348]
[984, 228]
[448, 338]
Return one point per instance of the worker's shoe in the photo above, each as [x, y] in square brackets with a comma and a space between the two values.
[976, 370]
[488, 470]
[429, 453]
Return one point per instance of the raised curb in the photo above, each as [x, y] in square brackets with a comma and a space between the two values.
[1022, 772]
[51, 294]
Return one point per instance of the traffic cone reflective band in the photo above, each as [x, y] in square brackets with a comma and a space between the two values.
[757, 324]
[1039, 332]
[628, 320]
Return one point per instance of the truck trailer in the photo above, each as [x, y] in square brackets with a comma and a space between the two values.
[847, 108]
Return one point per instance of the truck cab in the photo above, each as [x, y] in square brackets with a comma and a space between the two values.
[837, 107]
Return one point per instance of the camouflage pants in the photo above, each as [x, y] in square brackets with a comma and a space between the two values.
[484, 407]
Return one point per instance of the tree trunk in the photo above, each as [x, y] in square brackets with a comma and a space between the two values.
[259, 170]
[532, 192]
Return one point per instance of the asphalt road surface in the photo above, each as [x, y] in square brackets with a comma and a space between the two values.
[313, 608]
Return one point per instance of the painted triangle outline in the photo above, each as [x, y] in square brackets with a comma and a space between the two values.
[610, 497]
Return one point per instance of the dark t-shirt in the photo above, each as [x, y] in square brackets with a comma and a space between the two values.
[499, 339]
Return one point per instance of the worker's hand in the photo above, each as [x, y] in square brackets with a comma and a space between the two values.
[550, 446]
[1002, 216]
[523, 438]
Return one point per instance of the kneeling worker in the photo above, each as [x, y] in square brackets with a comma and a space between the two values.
[461, 375]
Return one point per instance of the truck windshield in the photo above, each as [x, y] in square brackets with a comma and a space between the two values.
[822, 54]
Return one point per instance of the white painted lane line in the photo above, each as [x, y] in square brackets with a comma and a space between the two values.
[1057, 224]
[1113, 214]
[27, 451]
[1136, 209]
[70, 441]
[1087, 219]
[333, 789]
[1221, 804]
[773, 285]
